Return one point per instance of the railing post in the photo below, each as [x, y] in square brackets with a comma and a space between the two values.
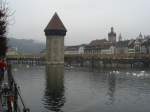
[26, 110]
[14, 88]
[16, 98]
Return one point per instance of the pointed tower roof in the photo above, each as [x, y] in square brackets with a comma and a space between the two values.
[55, 26]
[140, 35]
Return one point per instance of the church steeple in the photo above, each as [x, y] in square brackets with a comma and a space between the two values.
[140, 36]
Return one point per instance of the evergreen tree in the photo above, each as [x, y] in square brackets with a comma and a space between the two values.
[3, 28]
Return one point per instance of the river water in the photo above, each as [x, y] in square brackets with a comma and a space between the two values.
[53, 89]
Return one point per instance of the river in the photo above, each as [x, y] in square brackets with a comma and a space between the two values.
[53, 89]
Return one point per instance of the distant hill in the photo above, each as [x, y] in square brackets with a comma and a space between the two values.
[26, 46]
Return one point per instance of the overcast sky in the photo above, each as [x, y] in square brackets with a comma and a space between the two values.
[85, 20]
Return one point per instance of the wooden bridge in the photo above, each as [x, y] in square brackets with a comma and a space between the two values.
[81, 58]
[111, 59]
[26, 59]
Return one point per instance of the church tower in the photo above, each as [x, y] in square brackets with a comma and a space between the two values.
[55, 32]
[112, 36]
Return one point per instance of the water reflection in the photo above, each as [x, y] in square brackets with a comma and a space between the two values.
[105, 91]
[54, 92]
[111, 87]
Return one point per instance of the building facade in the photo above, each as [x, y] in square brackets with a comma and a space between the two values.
[121, 47]
[101, 46]
[79, 49]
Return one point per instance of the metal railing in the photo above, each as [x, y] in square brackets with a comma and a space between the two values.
[15, 90]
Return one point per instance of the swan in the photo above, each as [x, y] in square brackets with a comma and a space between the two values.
[117, 72]
[27, 66]
[134, 74]
[127, 73]
[15, 69]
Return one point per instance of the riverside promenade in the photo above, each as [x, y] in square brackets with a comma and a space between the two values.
[10, 95]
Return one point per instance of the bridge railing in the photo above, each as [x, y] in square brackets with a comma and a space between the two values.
[84, 56]
[110, 56]
[17, 94]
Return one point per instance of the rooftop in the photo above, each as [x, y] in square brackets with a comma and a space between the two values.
[55, 24]
[98, 42]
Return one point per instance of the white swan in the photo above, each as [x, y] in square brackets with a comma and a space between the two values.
[15, 69]
[115, 72]
[27, 66]
[134, 74]
[127, 73]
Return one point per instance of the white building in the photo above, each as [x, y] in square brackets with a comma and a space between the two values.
[79, 49]
[12, 51]
[110, 50]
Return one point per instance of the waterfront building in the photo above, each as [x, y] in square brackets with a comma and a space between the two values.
[98, 42]
[111, 46]
[122, 47]
[140, 45]
[109, 50]
[131, 51]
[135, 45]
[92, 49]
[101, 46]
[131, 43]
[78, 49]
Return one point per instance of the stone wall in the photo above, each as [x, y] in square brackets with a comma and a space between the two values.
[55, 49]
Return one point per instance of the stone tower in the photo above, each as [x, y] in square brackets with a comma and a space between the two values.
[55, 32]
[112, 36]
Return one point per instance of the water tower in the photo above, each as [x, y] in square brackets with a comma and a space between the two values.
[55, 32]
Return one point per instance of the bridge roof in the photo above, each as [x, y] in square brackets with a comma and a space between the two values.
[55, 24]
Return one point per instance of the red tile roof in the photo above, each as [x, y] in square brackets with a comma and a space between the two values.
[55, 24]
